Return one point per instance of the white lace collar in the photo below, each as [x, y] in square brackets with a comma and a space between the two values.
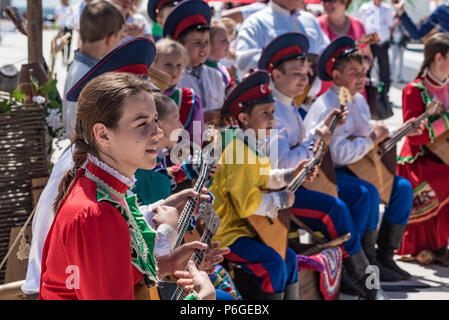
[104, 166]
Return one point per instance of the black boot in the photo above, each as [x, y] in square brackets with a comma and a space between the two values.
[390, 237]
[356, 266]
[347, 286]
[369, 246]
[292, 291]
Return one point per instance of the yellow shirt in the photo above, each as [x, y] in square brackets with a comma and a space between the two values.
[237, 190]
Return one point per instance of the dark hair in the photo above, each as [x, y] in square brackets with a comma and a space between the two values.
[342, 62]
[347, 3]
[438, 43]
[99, 20]
[100, 101]
[197, 28]
[162, 102]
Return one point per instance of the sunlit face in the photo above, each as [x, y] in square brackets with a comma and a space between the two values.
[171, 63]
[169, 124]
[197, 45]
[134, 142]
[336, 8]
[219, 45]
[352, 77]
[294, 79]
[260, 118]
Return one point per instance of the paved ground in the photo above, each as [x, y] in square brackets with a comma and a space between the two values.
[428, 282]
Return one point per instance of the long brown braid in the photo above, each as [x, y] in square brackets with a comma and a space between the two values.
[101, 101]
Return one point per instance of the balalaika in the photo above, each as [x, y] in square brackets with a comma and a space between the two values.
[378, 167]
[211, 225]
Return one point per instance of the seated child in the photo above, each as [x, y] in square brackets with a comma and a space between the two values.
[342, 63]
[238, 186]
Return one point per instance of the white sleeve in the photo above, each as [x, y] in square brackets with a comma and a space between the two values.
[166, 235]
[345, 151]
[249, 48]
[286, 157]
[271, 203]
[279, 178]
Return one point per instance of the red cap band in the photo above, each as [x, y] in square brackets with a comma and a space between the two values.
[332, 61]
[254, 93]
[288, 51]
[134, 68]
[189, 22]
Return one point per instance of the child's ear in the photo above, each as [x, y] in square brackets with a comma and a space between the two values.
[336, 76]
[438, 57]
[102, 135]
[275, 74]
[243, 118]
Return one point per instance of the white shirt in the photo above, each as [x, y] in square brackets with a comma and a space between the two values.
[343, 150]
[44, 216]
[265, 25]
[377, 19]
[210, 87]
[249, 9]
[287, 146]
[76, 71]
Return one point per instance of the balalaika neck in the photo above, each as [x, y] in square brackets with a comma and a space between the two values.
[402, 132]
[184, 220]
[299, 179]
[197, 258]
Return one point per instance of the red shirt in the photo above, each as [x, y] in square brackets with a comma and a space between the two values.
[356, 30]
[87, 253]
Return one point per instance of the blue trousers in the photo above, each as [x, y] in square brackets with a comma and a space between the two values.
[329, 215]
[271, 271]
[399, 207]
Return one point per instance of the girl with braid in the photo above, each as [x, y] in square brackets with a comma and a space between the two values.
[428, 226]
[100, 245]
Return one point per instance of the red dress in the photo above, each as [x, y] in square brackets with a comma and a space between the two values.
[88, 250]
[428, 225]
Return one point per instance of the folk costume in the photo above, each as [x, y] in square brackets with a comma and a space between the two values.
[96, 217]
[153, 9]
[205, 81]
[346, 151]
[237, 187]
[288, 147]
[428, 226]
[43, 219]
[228, 79]
[440, 18]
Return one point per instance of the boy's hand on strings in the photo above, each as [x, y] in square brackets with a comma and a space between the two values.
[178, 258]
[179, 199]
[196, 280]
[311, 176]
[419, 129]
[214, 255]
[380, 132]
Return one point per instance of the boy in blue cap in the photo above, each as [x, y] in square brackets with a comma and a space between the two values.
[285, 59]
[238, 186]
[342, 63]
[189, 24]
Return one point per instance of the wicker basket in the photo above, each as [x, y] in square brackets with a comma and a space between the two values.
[23, 156]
